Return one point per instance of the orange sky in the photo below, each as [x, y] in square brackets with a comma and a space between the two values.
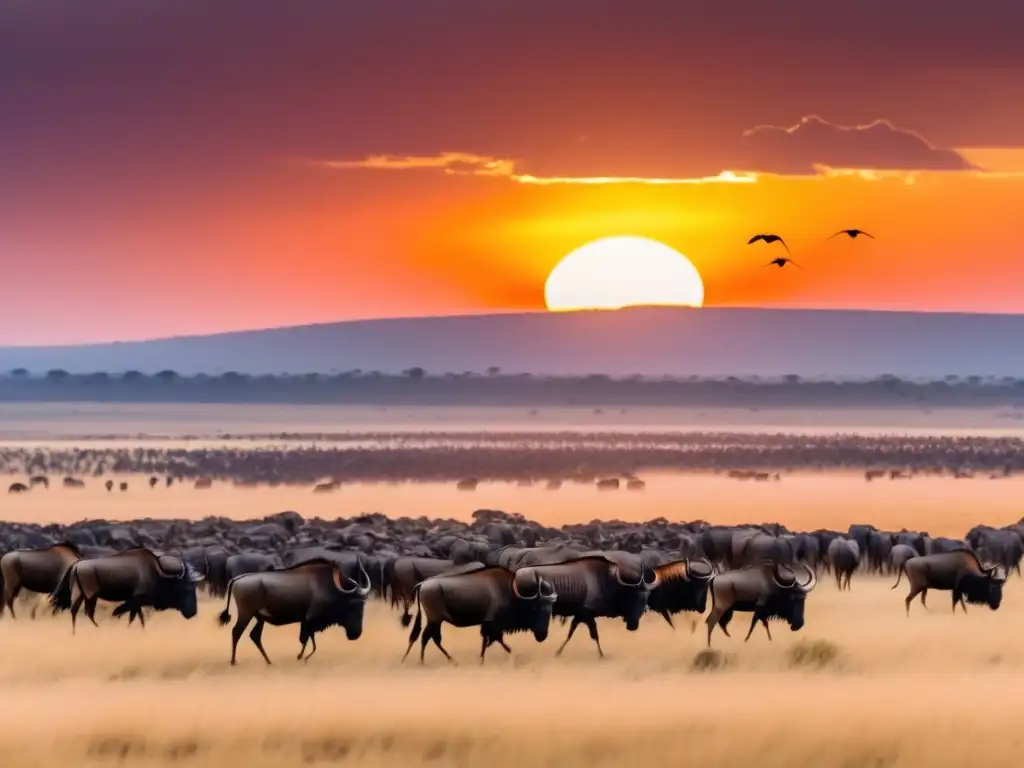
[196, 167]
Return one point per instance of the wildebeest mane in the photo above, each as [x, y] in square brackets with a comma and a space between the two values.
[72, 547]
[974, 588]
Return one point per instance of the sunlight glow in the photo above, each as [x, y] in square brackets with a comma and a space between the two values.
[616, 272]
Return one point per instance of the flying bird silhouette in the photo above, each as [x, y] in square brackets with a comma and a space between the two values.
[853, 233]
[768, 238]
[781, 262]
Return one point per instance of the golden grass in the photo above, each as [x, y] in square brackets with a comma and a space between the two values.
[930, 690]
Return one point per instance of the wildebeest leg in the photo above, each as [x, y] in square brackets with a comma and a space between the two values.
[667, 617]
[591, 623]
[11, 598]
[433, 632]
[75, 606]
[256, 635]
[305, 636]
[924, 596]
[723, 623]
[236, 633]
[753, 623]
[839, 580]
[914, 592]
[572, 629]
[90, 610]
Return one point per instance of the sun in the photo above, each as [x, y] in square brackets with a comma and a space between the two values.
[616, 272]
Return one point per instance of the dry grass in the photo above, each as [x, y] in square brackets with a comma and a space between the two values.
[167, 695]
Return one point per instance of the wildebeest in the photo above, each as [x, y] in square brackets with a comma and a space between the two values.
[136, 578]
[682, 585]
[768, 590]
[314, 594]
[899, 554]
[250, 562]
[844, 555]
[37, 570]
[958, 571]
[403, 574]
[489, 596]
[596, 586]
[17, 488]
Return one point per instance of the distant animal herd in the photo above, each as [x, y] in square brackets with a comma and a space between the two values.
[501, 573]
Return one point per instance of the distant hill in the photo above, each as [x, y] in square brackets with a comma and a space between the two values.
[647, 341]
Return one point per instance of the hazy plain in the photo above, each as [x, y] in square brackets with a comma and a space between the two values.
[861, 685]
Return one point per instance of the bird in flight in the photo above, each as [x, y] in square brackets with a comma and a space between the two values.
[853, 233]
[781, 262]
[768, 239]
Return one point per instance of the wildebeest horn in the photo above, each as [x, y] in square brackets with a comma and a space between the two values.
[644, 570]
[339, 581]
[194, 576]
[520, 595]
[618, 577]
[812, 579]
[363, 591]
[782, 585]
[551, 595]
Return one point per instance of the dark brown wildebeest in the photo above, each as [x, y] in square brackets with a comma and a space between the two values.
[768, 590]
[17, 488]
[596, 586]
[42, 480]
[960, 572]
[136, 578]
[844, 556]
[37, 570]
[109, 485]
[403, 574]
[488, 596]
[203, 483]
[314, 594]
[123, 487]
[73, 482]
[682, 585]
[153, 481]
[608, 484]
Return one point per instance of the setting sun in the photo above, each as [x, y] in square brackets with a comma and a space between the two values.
[616, 272]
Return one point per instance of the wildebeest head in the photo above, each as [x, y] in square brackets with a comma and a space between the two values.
[682, 586]
[348, 610]
[534, 600]
[631, 596]
[787, 602]
[986, 588]
[176, 589]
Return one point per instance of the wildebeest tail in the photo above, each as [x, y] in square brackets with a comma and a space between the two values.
[418, 626]
[225, 616]
[899, 575]
[60, 598]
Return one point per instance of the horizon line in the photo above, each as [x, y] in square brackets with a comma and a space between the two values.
[502, 313]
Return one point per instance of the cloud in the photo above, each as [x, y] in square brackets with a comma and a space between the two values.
[468, 164]
[813, 147]
[814, 144]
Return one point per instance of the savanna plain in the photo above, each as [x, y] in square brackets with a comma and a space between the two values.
[862, 684]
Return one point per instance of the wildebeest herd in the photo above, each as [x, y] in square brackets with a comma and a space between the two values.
[501, 572]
